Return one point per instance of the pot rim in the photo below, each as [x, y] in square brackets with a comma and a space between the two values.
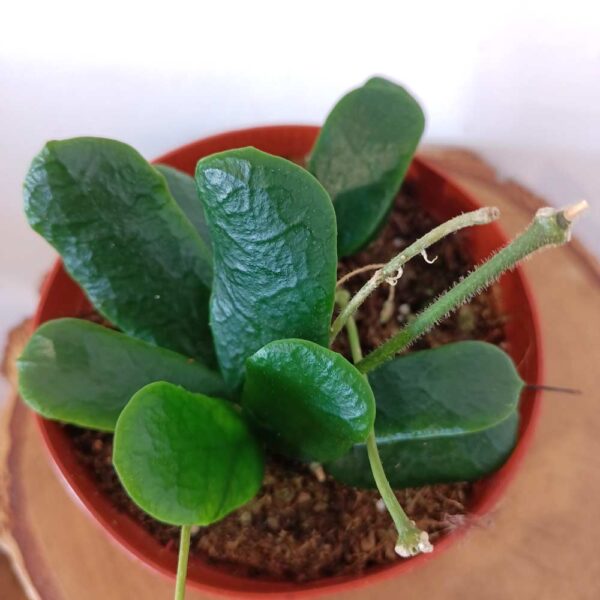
[164, 561]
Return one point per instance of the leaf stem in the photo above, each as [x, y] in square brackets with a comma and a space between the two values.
[393, 268]
[182, 562]
[549, 228]
[411, 540]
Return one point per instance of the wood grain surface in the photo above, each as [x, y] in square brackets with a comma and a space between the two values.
[542, 541]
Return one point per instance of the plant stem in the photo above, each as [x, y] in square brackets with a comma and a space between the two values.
[549, 228]
[394, 266]
[411, 540]
[354, 340]
[184, 551]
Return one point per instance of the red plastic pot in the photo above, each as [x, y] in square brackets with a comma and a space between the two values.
[62, 298]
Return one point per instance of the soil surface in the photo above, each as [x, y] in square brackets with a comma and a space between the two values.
[304, 525]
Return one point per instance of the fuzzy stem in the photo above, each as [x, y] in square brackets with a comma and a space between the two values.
[411, 540]
[394, 266]
[548, 228]
[182, 562]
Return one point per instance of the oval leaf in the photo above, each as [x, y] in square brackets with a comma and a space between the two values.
[82, 373]
[123, 238]
[362, 154]
[185, 459]
[309, 401]
[273, 231]
[184, 191]
[449, 414]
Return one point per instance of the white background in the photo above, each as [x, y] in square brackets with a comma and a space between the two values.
[518, 81]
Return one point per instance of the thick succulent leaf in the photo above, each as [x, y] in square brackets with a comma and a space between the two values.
[412, 462]
[362, 154]
[183, 189]
[274, 243]
[308, 401]
[82, 373]
[185, 459]
[123, 238]
[449, 414]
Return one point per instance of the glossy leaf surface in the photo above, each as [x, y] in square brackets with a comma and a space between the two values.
[123, 238]
[185, 459]
[449, 414]
[362, 154]
[82, 373]
[274, 244]
[183, 189]
[308, 401]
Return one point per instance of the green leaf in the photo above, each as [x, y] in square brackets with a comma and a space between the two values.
[82, 373]
[273, 231]
[308, 401]
[449, 414]
[362, 154]
[123, 238]
[185, 459]
[184, 191]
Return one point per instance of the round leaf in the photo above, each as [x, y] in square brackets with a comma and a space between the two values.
[309, 401]
[184, 191]
[449, 414]
[124, 239]
[82, 373]
[185, 459]
[362, 154]
[274, 242]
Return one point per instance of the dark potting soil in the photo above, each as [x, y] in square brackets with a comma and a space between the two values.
[304, 525]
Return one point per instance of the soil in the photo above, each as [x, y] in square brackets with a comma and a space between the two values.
[304, 525]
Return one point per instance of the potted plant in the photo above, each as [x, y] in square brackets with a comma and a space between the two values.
[226, 335]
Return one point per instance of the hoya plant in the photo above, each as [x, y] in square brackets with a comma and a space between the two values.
[222, 292]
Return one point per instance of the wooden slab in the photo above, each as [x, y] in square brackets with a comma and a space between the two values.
[542, 542]
[9, 585]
